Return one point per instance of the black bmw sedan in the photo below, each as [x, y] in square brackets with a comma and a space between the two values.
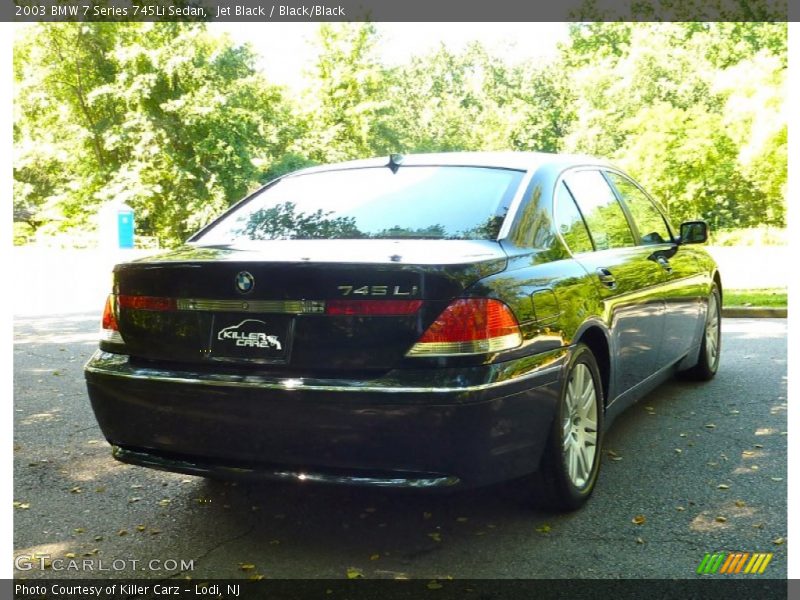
[422, 321]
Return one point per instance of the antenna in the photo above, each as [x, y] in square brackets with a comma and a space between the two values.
[395, 160]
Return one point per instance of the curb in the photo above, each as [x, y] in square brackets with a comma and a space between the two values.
[755, 312]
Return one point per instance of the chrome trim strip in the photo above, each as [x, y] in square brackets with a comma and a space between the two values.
[297, 307]
[291, 384]
[187, 466]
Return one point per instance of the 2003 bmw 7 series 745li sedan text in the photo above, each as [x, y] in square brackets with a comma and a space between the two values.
[421, 321]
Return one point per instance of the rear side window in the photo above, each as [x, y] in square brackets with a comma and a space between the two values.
[432, 202]
[602, 212]
[569, 222]
[647, 218]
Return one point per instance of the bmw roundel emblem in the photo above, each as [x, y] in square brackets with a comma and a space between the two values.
[245, 282]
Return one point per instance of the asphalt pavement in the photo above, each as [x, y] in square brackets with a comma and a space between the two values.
[693, 468]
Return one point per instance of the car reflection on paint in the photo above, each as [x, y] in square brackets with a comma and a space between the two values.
[425, 321]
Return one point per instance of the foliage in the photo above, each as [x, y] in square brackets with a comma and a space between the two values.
[166, 118]
[179, 124]
[285, 222]
[751, 236]
[347, 105]
[693, 110]
[473, 101]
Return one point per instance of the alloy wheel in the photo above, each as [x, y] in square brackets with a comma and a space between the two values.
[712, 330]
[579, 425]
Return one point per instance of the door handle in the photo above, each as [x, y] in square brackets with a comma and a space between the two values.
[662, 260]
[606, 278]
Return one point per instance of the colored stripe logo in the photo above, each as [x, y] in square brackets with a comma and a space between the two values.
[734, 563]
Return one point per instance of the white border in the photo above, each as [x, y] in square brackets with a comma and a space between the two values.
[793, 213]
[6, 332]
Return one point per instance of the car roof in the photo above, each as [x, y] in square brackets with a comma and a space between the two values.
[522, 161]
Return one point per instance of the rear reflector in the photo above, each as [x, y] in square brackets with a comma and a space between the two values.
[470, 326]
[147, 303]
[372, 308]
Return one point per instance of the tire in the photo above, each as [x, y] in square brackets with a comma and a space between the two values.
[708, 362]
[571, 460]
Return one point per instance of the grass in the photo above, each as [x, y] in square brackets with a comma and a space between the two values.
[767, 297]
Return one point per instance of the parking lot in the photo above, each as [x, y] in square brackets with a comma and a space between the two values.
[693, 468]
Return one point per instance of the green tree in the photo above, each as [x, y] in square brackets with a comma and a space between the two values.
[346, 109]
[693, 110]
[472, 100]
[168, 118]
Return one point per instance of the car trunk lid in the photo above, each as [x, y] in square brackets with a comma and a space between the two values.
[295, 304]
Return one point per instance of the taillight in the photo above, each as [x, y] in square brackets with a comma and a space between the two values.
[470, 326]
[110, 328]
[372, 308]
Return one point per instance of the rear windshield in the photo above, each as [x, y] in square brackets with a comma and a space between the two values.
[413, 202]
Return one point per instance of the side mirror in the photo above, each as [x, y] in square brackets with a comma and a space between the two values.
[694, 232]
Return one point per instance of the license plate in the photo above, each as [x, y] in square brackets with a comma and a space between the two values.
[261, 338]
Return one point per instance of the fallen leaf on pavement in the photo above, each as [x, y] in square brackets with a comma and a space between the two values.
[638, 520]
[434, 585]
[353, 573]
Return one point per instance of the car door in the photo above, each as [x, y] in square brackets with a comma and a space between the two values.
[682, 291]
[627, 280]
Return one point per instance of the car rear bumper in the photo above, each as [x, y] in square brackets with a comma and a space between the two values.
[426, 428]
